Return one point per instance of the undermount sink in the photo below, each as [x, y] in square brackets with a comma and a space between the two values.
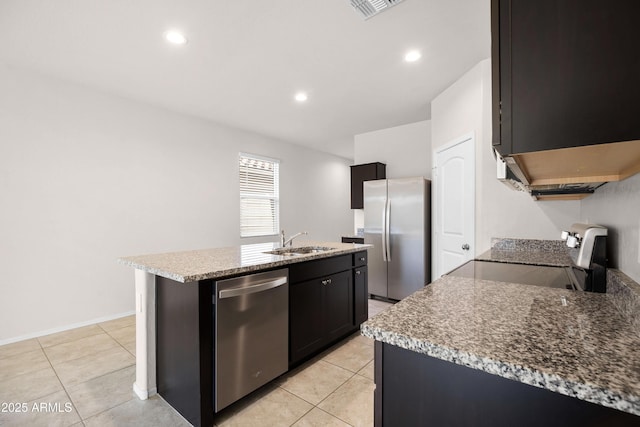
[299, 251]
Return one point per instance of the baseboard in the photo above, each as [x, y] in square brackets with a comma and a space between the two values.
[66, 327]
[144, 394]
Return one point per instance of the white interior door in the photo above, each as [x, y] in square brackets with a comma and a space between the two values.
[454, 205]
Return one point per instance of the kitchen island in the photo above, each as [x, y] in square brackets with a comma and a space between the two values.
[174, 313]
[475, 352]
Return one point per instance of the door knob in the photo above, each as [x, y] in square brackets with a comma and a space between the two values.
[465, 247]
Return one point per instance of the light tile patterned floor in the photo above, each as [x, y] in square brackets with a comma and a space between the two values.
[84, 377]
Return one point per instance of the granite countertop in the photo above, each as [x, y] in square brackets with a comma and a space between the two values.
[526, 251]
[202, 264]
[585, 349]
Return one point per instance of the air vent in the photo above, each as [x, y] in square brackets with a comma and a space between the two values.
[369, 8]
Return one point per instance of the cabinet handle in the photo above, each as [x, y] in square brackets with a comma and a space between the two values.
[326, 282]
[362, 258]
[358, 272]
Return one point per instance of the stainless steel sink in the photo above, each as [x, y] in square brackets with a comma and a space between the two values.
[305, 250]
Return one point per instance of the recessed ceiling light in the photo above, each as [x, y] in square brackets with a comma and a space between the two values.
[175, 37]
[412, 56]
[301, 97]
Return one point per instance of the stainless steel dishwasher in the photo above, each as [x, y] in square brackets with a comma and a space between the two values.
[251, 333]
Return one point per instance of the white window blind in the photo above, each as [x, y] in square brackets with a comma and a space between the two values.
[259, 195]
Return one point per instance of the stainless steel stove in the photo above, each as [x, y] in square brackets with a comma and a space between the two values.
[526, 274]
[588, 272]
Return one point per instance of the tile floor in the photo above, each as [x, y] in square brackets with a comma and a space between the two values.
[84, 377]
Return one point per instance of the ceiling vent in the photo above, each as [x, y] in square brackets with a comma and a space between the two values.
[369, 8]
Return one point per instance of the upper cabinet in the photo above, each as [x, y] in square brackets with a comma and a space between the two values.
[360, 174]
[566, 74]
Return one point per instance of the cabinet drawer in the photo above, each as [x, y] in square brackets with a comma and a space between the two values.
[360, 259]
[318, 268]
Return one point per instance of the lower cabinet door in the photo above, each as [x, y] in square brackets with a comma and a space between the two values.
[360, 295]
[306, 331]
[305, 319]
[338, 304]
[320, 311]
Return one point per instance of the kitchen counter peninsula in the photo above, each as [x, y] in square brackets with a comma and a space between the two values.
[174, 313]
[576, 344]
[215, 263]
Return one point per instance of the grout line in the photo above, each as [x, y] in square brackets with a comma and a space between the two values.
[33, 372]
[64, 388]
[91, 353]
[73, 404]
[298, 397]
[120, 344]
[70, 341]
[346, 369]
[330, 394]
[102, 412]
[115, 329]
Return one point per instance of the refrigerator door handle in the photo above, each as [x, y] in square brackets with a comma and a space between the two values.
[384, 232]
[387, 229]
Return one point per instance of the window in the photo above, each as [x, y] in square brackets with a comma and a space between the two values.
[259, 195]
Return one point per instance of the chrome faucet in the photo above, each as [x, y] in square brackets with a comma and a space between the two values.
[289, 241]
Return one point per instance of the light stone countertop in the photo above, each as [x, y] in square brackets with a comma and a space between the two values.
[527, 251]
[587, 349]
[202, 264]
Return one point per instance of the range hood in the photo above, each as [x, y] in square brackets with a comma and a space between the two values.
[569, 173]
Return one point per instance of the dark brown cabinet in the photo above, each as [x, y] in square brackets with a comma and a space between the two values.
[413, 389]
[360, 288]
[360, 174]
[360, 295]
[327, 300]
[338, 305]
[564, 73]
[306, 329]
[184, 348]
[320, 312]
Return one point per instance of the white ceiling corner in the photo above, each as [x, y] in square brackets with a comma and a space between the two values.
[246, 59]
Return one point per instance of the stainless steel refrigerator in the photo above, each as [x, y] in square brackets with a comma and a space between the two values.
[397, 222]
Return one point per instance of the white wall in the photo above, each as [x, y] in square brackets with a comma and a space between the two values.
[463, 108]
[86, 177]
[406, 150]
[616, 205]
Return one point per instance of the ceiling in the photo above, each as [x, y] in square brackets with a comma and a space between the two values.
[245, 59]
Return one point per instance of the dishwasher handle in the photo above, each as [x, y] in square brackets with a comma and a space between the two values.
[246, 290]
